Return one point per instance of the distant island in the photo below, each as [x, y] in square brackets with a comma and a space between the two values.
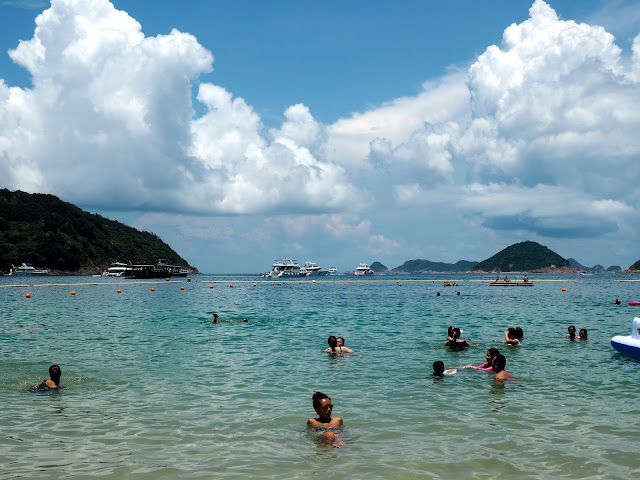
[426, 266]
[45, 231]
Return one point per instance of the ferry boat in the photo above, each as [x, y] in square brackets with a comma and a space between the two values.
[285, 268]
[311, 269]
[115, 270]
[27, 269]
[159, 270]
[363, 270]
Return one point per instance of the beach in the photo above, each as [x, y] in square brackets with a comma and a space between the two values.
[153, 389]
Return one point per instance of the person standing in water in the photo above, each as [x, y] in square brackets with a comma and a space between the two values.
[53, 383]
[325, 423]
[341, 347]
[499, 362]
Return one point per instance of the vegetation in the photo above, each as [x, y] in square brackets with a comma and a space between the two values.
[522, 257]
[635, 266]
[416, 266]
[378, 267]
[47, 232]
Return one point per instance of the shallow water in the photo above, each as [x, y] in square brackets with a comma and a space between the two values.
[153, 389]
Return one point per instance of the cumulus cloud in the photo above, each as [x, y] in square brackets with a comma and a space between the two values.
[109, 122]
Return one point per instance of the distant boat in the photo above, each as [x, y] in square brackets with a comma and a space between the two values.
[27, 269]
[363, 270]
[311, 269]
[333, 271]
[115, 270]
[285, 268]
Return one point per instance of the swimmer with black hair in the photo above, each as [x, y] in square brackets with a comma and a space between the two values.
[510, 337]
[325, 423]
[488, 365]
[438, 369]
[572, 332]
[582, 335]
[617, 301]
[53, 383]
[341, 347]
[454, 342]
[499, 362]
[216, 319]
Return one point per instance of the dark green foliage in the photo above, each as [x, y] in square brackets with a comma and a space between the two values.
[47, 232]
[522, 257]
[635, 266]
[378, 267]
[416, 266]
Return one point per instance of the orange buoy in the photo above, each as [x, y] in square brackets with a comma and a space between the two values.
[299, 283]
[272, 283]
[231, 285]
[398, 281]
[73, 292]
[181, 288]
[255, 284]
[313, 281]
[349, 281]
[564, 289]
[620, 281]
[153, 289]
[28, 295]
[119, 291]
[210, 286]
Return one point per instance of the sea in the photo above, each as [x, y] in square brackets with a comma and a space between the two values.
[154, 390]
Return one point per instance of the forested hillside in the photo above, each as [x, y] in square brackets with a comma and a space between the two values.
[47, 232]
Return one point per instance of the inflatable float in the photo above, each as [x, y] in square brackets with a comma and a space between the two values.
[629, 343]
[634, 304]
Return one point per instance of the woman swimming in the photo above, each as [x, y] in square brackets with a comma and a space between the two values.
[341, 347]
[325, 422]
[510, 337]
[454, 342]
[582, 334]
[53, 383]
[488, 365]
[572, 332]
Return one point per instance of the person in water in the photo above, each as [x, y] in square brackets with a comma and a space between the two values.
[519, 333]
[454, 342]
[216, 319]
[617, 301]
[572, 332]
[438, 369]
[488, 365]
[341, 347]
[499, 362]
[325, 422]
[54, 380]
[582, 334]
[510, 337]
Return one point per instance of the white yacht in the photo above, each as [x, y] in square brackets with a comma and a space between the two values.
[362, 270]
[27, 269]
[333, 271]
[115, 270]
[313, 269]
[285, 268]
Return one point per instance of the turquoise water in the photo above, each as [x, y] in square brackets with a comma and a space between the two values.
[153, 389]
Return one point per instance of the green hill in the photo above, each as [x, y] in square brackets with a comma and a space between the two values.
[378, 267]
[635, 266]
[47, 232]
[522, 257]
[417, 266]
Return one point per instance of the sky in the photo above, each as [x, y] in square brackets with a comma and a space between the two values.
[338, 132]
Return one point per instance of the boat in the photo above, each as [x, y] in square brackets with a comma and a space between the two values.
[453, 284]
[159, 270]
[333, 271]
[511, 283]
[285, 268]
[363, 270]
[311, 269]
[116, 269]
[27, 269]
[629, 343]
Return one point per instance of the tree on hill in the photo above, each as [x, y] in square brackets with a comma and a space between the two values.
[47, 232]
[522, 257]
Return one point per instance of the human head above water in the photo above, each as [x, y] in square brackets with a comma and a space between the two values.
[583, 333]
[333, 342]
[519, 333]
[55, 373]
[511, 333]
[340, 341]
[438, 367]
[491, 353]
[455, 332]
[499, 362]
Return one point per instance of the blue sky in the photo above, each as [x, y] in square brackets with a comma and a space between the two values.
[339, 132]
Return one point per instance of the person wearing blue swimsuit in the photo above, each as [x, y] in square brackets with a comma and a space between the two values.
[325, 422]
[53, 383]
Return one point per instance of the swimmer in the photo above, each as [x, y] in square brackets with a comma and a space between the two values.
[325, 422]
[437, 294]
[616, 301]
[438, 369]
[216, 319]
[341, 347]
[488, 365]
[499, 362]
[510, 337]
[582, 334]
[519, 333]
[455, 343]
[458, 293]
[333, 345]
[572, 332]
[53, 383]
